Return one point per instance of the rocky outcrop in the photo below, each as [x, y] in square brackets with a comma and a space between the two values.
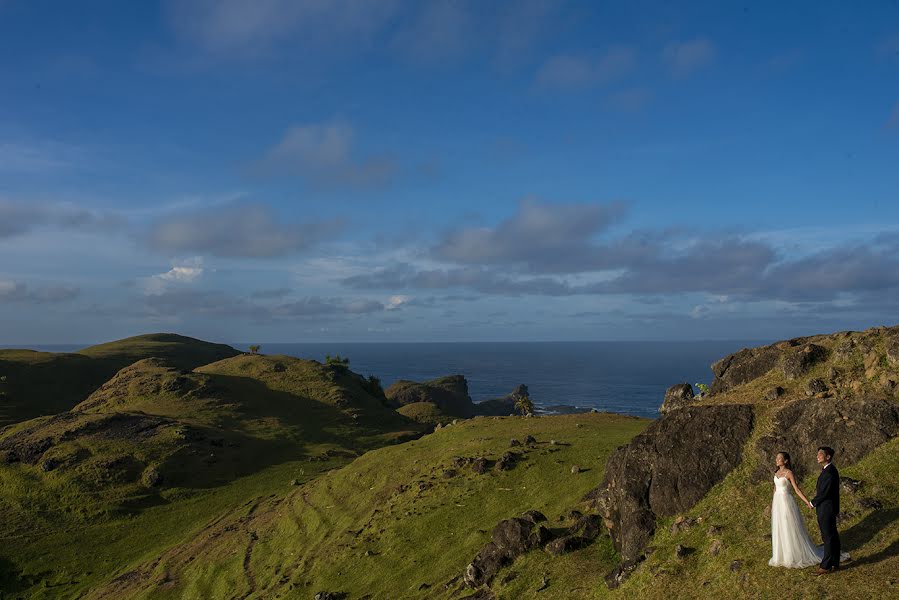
[677, 396]
[509, 539]
[449, 394]
[667, 469]
[743, 366]
[502, 407]
[798, 360]
[851, 427]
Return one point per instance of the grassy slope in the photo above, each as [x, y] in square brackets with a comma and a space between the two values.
[291, 418]
[371, 527]
[738, 505]
[46, 383]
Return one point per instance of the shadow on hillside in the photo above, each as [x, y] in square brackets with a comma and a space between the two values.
[864, 531]
[319, 421]
[11, 580]
[890, 551]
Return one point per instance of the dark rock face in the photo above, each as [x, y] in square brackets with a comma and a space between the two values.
[796, 361]
[450, 394]
[510, 538]
[502, 407]
[852, 427]
[743, 366]
[622, 572]
[677, 396]
[667, 469]
[584, 530]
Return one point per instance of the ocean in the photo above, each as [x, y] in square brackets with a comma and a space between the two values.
[622, 377]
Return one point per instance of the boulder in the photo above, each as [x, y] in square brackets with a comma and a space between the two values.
[449, 394]
[151, 477]
[510, 538]
[564, 544]
[534, 516]
[847, 484]
[667, 469]
[507, 461]
[480, 465]
[815, 386]
[798, 360]
[851, 427]
[677, 396]
[682, 524]
[774, 393]
[743, 366]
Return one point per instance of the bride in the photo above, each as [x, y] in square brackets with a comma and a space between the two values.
[790, 543]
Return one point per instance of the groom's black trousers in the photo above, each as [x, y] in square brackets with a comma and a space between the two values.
[827, 521]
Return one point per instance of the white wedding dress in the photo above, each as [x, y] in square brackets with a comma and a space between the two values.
[790, 543]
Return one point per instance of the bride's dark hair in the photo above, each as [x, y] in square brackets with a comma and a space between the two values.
[788, 464]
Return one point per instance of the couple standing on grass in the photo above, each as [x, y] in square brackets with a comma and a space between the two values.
[791, 545]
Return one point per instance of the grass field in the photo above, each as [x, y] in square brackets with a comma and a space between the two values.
[390, 524]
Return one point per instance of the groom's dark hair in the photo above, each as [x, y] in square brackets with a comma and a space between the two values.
[827, 450]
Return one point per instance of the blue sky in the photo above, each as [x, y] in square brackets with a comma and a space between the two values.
[298, 170]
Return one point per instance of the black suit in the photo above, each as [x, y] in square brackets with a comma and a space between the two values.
[827, 507]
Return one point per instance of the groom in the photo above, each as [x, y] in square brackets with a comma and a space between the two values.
[827, 506]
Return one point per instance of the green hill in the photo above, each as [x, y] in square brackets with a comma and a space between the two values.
[307, 492]
[45, 383]
[167, 450]
[397, 522]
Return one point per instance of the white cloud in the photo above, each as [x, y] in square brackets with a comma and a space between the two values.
[247, 231]
[186, 272]
[181, 274]
[323, 154]
[395, 302]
